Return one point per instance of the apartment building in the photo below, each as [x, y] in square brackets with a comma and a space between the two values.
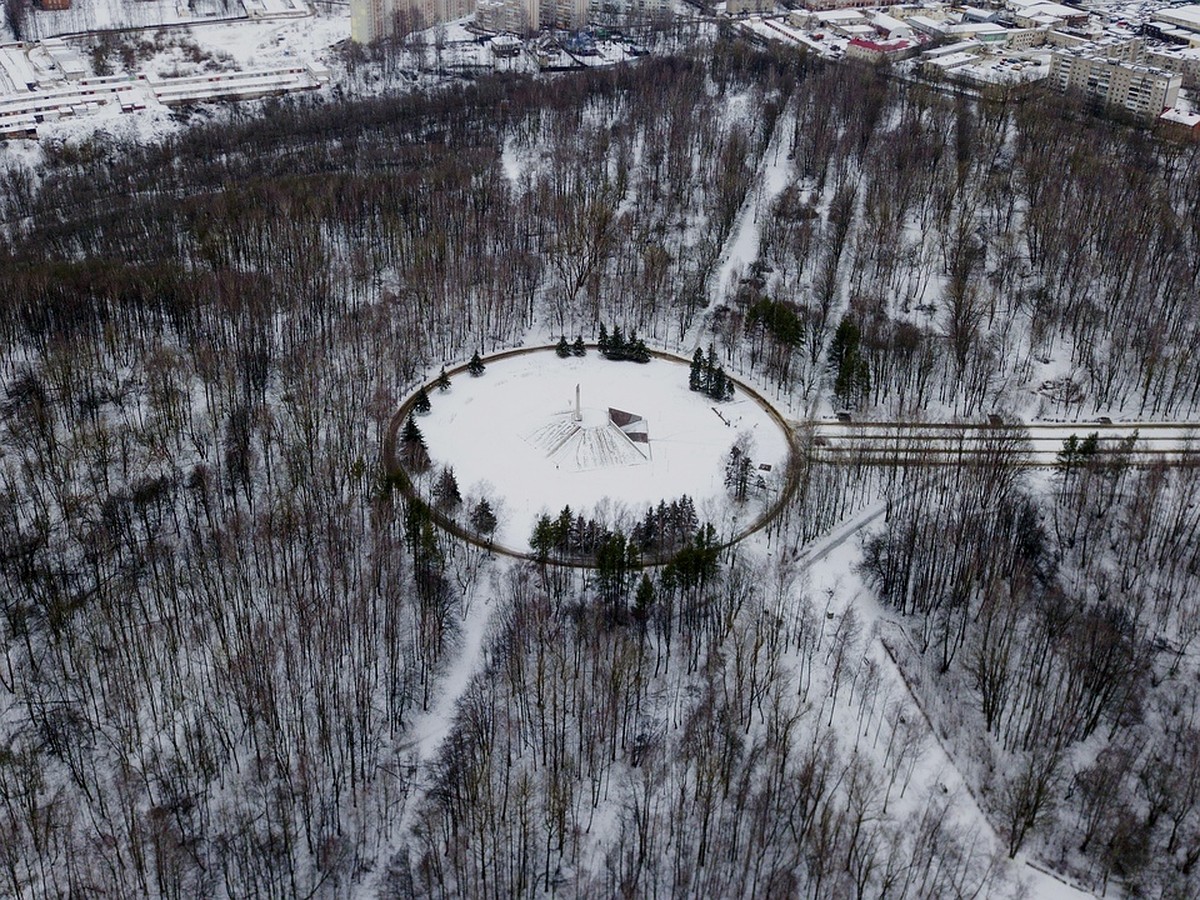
[371, 20]
[1143, 91]
[880, 51]
[1126, 49]
[823, 5]
[740, 7]
[624, 12]
[509, 16]
[1185, 61]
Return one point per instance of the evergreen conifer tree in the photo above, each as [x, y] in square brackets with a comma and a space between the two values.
[852, 374]
[476, 366]
[643, 600]
[421, 403]
[443, 381]
[562, 349]
[1068, 455]
[578, 348]
[562, 529]
[413, 451]
[445, 492]
[616, 344]
[616, 563]
[411, 433]
[483, 518]
[542, 540]
[722, 385]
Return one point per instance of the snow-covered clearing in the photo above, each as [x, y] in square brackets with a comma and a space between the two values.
[486, 429]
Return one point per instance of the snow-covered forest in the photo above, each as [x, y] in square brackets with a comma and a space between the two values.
[237, 661]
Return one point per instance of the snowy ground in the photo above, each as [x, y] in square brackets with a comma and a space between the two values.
[741, 250]
[108, 38]
[485, 429]
[122, 84]
[833, 563]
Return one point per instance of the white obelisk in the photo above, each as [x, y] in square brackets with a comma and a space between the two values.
[578, 413]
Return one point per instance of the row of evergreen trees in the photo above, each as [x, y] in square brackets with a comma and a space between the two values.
[667, 527]
[422, 404]
[565, 350]
[707, 377]
[569, 535]
[616, 346]
[619, 565]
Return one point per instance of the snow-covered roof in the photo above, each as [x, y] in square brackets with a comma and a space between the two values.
[275, 8]
[976, 29]
[66, 58]
[950, 49]
[16, 73]
[840, 16]
[1188, 16]
[889, 23]
[926, 24]
[1056, 10]
[1190, 120]
[881, 46]
[979, 13]
[1175, 31]
[952, 60]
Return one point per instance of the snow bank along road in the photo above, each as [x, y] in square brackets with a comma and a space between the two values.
[898, 443]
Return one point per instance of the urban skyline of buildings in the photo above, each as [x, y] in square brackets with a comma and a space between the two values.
[1075, 51]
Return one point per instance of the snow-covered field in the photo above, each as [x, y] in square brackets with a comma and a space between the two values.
[486, 428]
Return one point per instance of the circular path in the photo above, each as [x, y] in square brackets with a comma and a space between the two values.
[512, 436]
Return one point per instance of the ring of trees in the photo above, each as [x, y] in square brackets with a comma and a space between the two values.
[397, 478]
